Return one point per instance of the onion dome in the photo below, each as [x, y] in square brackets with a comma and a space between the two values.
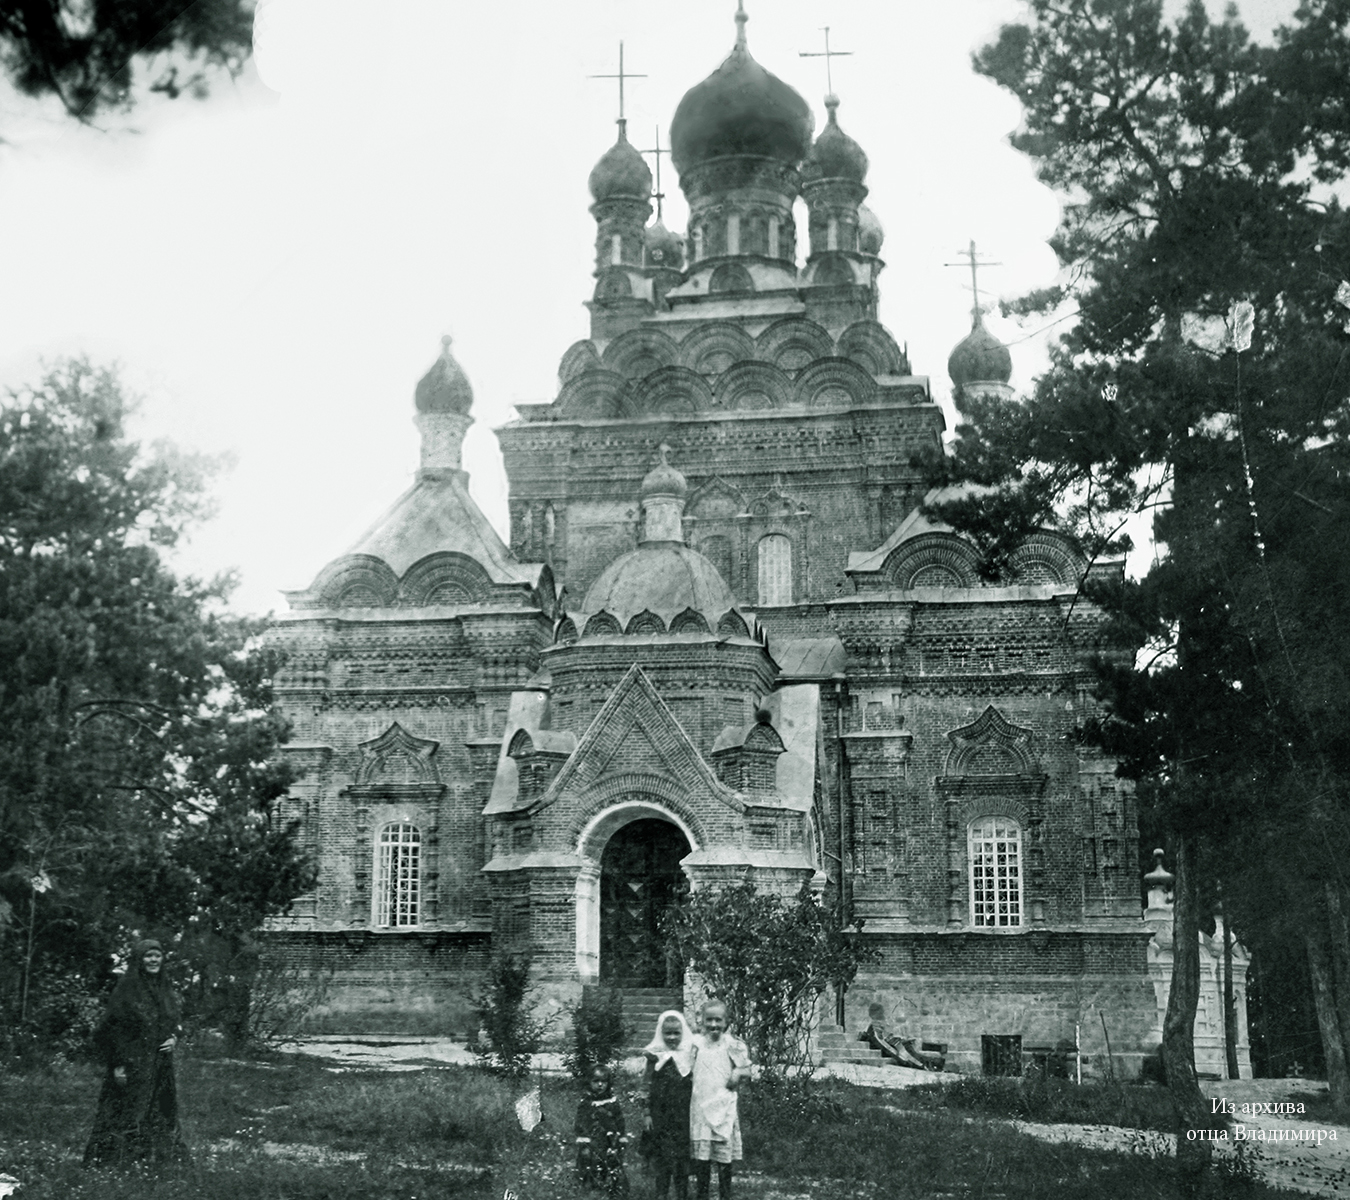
[664, 579]
[445, 388]
[664, 249]
[740, 109]
[835, 155]
[621, 171]
[979, 358]
[664, 480]
[870, 232]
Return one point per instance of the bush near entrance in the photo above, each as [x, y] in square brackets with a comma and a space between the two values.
[769, 959]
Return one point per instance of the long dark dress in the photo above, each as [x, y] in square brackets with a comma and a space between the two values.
[138, 1119]
[600, 1143]
[669, 1108]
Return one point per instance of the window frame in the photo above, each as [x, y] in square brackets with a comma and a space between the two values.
[402, 895]
[784, 571]
[1001, 889]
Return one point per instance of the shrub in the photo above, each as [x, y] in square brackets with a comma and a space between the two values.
[63, 1007]
[509, 1032]
[769, 959]
[598, 1032]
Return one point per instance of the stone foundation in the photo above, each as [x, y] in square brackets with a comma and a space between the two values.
[961, 1005]
[388, 983]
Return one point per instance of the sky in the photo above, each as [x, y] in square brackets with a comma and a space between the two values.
[272, 268]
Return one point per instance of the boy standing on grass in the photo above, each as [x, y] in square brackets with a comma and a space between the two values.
[720, 1063]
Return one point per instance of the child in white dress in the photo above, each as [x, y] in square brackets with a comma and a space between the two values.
[720, 1063]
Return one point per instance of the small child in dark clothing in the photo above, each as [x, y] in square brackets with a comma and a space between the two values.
[600, 1137]
[670, 1061]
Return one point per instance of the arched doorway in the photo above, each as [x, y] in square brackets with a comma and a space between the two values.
[640, 878]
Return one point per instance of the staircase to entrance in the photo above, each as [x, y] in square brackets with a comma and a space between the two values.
[641, 1007]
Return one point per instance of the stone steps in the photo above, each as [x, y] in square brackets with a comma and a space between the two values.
[836, 1045]
[641, 1007]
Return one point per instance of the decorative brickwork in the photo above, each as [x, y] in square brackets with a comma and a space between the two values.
[722, 608]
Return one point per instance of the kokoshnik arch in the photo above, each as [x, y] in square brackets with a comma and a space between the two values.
[724, 643]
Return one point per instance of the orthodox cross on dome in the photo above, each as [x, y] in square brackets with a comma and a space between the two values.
[659, 150]
[621, 76]
[974, 261]
[826, 54]
[741, 18]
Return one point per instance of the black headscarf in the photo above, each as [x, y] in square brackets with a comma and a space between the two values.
[148, 999]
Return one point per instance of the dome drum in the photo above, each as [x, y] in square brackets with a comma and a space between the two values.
[833, 227]
[764, 177]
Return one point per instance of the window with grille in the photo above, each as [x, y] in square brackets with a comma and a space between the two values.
[398, 891]
[996, 873]
[775, 569]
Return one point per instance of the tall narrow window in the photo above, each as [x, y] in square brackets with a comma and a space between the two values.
[398, 877]
[773, 237]
[734, 234]
[832, 234]
[775, 569]
[615, 249]
[995, 873]
[698, 243]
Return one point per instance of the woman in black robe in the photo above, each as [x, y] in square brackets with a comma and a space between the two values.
[138, 1107]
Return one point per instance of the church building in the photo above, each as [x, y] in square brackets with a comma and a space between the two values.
[724, 643]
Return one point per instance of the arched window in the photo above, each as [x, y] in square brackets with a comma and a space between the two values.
[995, 873]
[398, 877]
[775, 569]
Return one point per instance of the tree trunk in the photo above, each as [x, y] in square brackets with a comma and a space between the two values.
[1229, 1005]
[1194, 1150]
[1328, 1018]
[1340, 957]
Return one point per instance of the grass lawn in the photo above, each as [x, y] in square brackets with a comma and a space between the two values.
[288, 1129]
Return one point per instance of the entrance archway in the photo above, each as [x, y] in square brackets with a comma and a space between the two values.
[640, 878]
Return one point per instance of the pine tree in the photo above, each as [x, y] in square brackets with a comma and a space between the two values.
[1204, 379]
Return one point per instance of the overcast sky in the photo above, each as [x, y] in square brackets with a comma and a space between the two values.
[273, 268]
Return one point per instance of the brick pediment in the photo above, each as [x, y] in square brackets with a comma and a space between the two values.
[636, 733]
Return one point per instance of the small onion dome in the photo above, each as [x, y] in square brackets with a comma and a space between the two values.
[870, 232]
[835, 155]
[445, 388]
[663, 480]
[979, 358]
[740, 109]
[663, 578]
[621, 171]
[664, 249]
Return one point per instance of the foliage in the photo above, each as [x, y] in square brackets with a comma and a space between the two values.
[769, 959]
[86, 54]
[599, 1032]
[282, 997]
[139, 779]
[509, 1031]
[1194, 168]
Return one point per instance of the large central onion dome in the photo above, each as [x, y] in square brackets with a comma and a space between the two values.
[979, 358]
[740, 109]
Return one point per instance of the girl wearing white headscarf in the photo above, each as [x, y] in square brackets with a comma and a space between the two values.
[670, 1063]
